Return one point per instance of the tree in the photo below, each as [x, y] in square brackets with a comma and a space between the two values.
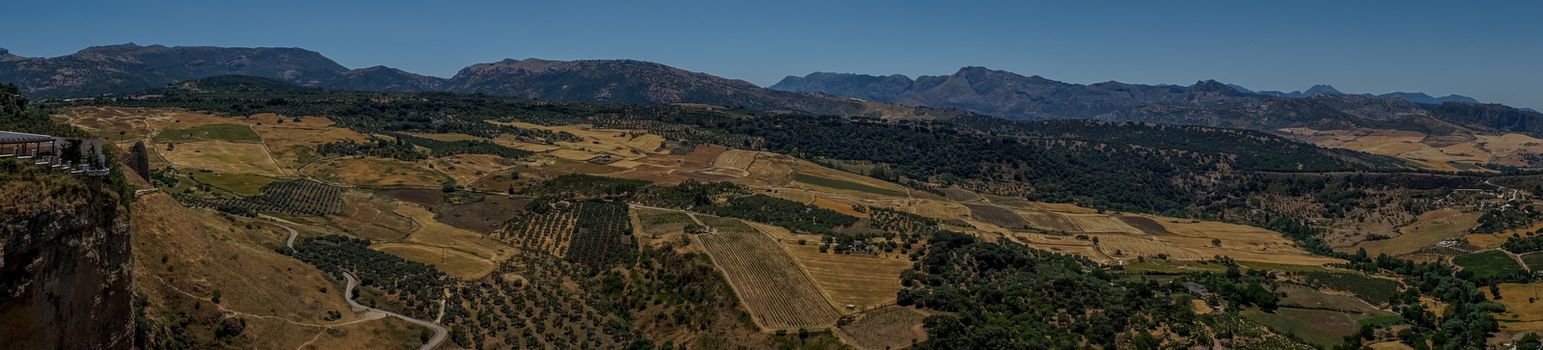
[1216, 242]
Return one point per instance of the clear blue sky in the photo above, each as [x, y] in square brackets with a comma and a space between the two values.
[1492, 50]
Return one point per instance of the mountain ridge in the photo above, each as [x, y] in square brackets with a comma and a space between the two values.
[129, 68]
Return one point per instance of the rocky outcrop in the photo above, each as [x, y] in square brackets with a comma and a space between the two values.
[65, 263]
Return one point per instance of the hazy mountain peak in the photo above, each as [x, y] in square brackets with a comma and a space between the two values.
[1322, 89]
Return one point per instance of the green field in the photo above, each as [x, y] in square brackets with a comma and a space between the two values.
[1534, 261]
[1320, 327]
[843, 185]
[212, 132]
[1488, 266]
[1371, 289]
[242, 184]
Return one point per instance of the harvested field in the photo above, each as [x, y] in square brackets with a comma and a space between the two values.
[769, 282]
[450, 261]
[1102, 224]
[863, 281]
[1486, 240]
[573, 154]
[889, 327]
[372, 171]
[1146, 225]
[995, 215]
[960, 195]
[222, 157]
[1131, 246]
[1431, 227]
[293, 146]
[735, 160]
[845, 185]
[1436, 152]
[837, 206]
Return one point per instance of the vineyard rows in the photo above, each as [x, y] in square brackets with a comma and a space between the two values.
[769, 282]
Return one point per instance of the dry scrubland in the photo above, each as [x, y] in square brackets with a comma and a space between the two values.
[1428, 229]
[1444, 153]
[222, 156]
[374, 171]
[186, 257]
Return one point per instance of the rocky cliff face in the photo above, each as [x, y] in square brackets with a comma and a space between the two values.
[65, 263]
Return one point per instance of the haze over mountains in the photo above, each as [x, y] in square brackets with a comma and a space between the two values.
[129, 68]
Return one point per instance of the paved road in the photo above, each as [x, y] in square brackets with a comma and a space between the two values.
[292, 233]
[439, 331]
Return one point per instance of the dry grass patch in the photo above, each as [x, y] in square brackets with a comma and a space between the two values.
[466, 169]
[863, 281]
[734, 162]
[1428, 229]
[1102, 224]
[368, 216]
[222, 157]
[385, 333]
[451, 261]
[373, 171]
[183, 255]
[1523, 304]
[434, 233]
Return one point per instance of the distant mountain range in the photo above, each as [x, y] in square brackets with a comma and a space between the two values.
[129, 68]
[1416, 97]
[1211, 103]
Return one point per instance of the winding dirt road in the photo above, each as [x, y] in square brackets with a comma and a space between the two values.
[439, 331]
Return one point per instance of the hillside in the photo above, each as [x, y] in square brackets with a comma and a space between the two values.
[1210, 103]
[130, 68]
[516, 222]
